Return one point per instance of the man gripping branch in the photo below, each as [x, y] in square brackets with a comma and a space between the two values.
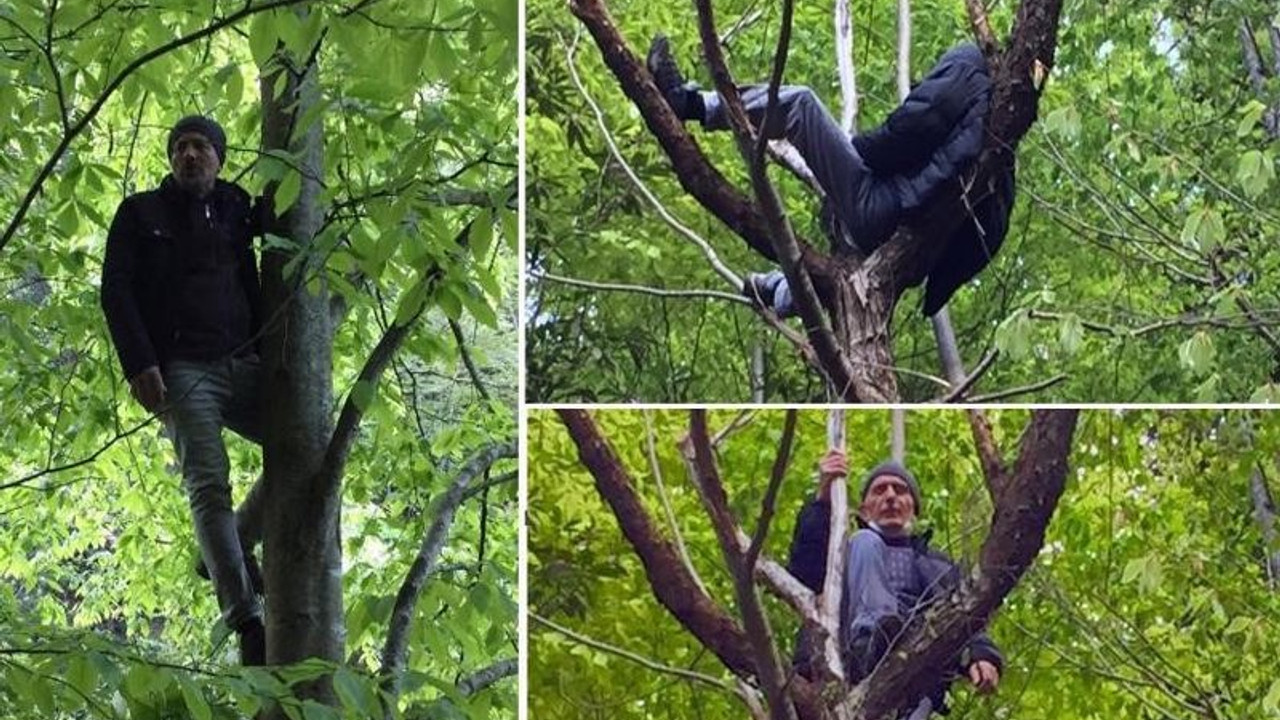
[891, 577]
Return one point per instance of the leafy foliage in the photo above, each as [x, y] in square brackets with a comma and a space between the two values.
[102, 614]
[1153, 570]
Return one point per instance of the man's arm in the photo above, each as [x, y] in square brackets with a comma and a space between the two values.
[808, 557]
[119, 303]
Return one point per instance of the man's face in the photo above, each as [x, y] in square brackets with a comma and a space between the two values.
[889, 504]
[194, 163]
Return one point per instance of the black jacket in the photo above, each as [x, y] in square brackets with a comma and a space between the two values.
[180, 280]
[929, 140]
[936, 574]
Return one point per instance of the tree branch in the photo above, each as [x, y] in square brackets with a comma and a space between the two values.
[670, 581]
[768, 664]
[1017, 532]
[396, 648]
[486, 676]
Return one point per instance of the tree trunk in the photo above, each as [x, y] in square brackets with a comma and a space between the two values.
[302, 553]
[1264, 511]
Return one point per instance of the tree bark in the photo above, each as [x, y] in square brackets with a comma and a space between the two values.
[302, 553]
[1264, 511]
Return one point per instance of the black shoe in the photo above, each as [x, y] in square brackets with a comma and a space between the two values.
[680, 95]
[250, 565]
[253, 644]
[869, 646]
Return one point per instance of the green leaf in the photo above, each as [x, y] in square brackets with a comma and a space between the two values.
[1254, 173]
[353, 691]
[194, 699]
[82, 675]
[1251, 114]
[1071, 333]
[287, 192]
[1197, 353]
[1013, 336]
[482, 236]
[262, 38]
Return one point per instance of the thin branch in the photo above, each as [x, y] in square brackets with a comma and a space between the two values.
[470, 364]
[642, 289]
[396, 648]
[981, 26]
[966, 384]
[698, 241]
[1023, 390]
[484, 677]
[779, 471]
[768, 665]
[656, 470]
[633, 657]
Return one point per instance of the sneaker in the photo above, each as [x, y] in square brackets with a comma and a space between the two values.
[250, 565]
[666, 75]
[253, 644]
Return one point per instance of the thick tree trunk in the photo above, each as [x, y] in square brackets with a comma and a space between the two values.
[302, 554]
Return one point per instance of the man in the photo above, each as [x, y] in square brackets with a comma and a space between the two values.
[879, 179]
[890, 577]
[182, 300]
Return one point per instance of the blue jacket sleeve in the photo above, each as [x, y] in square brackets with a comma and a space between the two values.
[808, 557]
[119, 301]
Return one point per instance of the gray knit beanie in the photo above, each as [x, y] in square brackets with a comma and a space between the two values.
[206, 127]
[896, 469]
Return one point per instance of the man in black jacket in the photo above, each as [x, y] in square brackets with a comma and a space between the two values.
[876, 180]
[891, 576]
[182, 300]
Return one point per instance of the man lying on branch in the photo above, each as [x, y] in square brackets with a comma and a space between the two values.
[877, 180]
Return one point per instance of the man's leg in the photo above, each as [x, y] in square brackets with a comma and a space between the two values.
[869, 617]
[199, 393]
[867, 210]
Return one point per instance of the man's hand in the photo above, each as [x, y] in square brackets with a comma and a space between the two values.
[148, 388]
[985, 676]
[832, 466]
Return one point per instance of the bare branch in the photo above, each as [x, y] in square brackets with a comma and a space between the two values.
[396, 648]
[486, 676]
[844, 64]
[981, 26]
[768, 664]
[656, 470]
[670, 581]
[644, 289]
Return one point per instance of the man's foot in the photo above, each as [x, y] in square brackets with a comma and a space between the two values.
[250, 565]
[770, 290]
[869, 646]
[253, 644]
[680, 95]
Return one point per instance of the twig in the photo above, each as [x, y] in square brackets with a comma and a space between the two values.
[1023, 390]
[642, 289]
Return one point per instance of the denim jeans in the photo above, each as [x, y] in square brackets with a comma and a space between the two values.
[203, 398]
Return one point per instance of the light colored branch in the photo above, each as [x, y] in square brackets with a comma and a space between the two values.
[833, 581]
[642, 289]
[904, 48]
[633, 657]
[666, 503]
[844, 65]
[734, 280]
[396, 649]
[981, 25]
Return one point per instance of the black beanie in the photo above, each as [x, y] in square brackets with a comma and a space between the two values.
[896, 469]
[206, 127]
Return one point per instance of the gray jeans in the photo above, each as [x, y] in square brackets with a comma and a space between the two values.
[205, 397]
[867, 206]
